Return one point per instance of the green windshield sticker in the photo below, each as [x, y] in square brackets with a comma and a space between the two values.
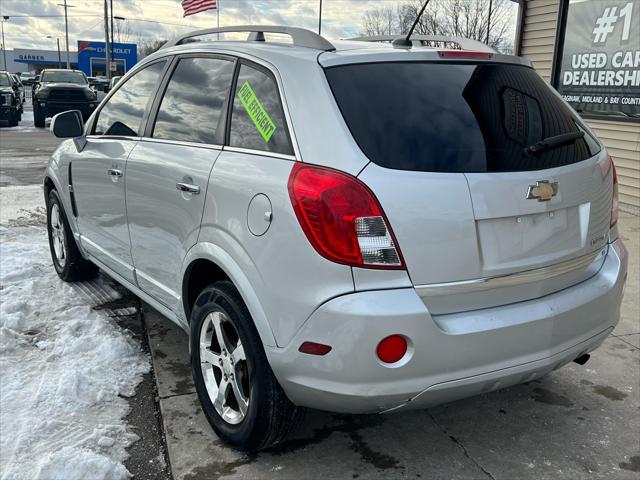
[256, 111]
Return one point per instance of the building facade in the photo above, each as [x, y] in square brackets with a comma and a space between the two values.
[589, 50]
[31, 60]
[90, 58]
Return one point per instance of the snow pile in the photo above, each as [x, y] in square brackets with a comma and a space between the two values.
[64, 369]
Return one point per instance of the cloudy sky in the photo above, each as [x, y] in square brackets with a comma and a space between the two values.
[31, 21]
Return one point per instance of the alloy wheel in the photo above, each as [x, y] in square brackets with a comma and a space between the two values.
[58, 236]
[224, 367]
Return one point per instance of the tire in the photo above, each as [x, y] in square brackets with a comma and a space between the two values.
[269, 415]
[38, 116]
[13, 119]
[67, 259]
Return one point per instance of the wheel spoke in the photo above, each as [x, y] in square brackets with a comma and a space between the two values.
[238, 354]
[208, 356]
[220, 399]
[243, 403]
[216, 318]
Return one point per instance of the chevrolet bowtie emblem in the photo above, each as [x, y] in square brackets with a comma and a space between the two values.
[543, 190]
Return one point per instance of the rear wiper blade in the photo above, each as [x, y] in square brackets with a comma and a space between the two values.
[551, 143]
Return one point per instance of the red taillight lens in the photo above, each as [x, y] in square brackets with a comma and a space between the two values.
[342, 219]
[392, 348]
[465, 54]
[614, 199]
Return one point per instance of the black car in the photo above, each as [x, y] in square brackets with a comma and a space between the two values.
[59, 90]
[10, 106]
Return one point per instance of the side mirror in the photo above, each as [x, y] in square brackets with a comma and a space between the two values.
[67, 124]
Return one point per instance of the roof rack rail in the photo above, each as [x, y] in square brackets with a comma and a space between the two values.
[301, 37]
[419, 40]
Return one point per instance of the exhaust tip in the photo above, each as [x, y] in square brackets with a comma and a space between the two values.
[582, 359]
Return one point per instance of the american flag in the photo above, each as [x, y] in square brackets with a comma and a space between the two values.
[191, 7]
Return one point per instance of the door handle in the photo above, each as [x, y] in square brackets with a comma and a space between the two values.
[114, 172]
[187, 187]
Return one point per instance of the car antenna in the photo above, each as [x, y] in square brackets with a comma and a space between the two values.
[406, 42]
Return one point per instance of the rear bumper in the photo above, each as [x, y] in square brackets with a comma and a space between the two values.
[450, 356]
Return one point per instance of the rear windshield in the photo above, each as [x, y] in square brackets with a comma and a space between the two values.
[444, 117]
[64, 77]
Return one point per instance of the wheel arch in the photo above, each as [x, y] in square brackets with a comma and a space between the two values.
[207, 263]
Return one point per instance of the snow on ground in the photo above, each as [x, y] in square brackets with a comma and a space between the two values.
[26, 124]
[24, 204]
[64, 367]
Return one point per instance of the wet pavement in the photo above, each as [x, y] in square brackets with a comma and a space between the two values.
[578, 422]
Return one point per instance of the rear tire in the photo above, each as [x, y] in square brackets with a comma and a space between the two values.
[38, 116]
[13, 119]
[266, 416]
[67, 259]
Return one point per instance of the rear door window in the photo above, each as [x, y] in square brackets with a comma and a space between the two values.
[192, 105]
[123, 113]
[446, 117]
[257, 119]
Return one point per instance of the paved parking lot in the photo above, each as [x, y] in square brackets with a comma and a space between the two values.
[579, 422]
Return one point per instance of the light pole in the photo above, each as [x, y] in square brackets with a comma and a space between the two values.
[107, 48]
[66, 29]
[117, 17]
[489, 21]
[58, 43]
[4, 47]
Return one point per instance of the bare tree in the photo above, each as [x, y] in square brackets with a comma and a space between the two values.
[461, 18]
[147, 46]
[380, 21]
[121, 31]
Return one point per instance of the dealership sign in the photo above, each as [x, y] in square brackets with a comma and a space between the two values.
[600, 70]
[92, 54]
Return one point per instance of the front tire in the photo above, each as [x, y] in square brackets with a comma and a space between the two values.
[13, 119]
[38, 116]
[240, 396]
[67, 259]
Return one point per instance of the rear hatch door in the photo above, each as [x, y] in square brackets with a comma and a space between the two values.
[467, 200]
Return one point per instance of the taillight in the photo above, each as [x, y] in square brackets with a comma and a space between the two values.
[614, 199]
[465, 54]
[342, 218]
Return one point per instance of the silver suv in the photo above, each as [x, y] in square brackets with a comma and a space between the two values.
[355, 227]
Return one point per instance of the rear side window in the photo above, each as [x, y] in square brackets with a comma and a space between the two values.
[123, 113]
[192, 104]
[444, 117]
[257, 119]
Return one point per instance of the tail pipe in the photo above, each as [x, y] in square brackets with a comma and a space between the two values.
[582, 359]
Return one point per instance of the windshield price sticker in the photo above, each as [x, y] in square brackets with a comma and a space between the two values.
[600, 71]
[256, 111]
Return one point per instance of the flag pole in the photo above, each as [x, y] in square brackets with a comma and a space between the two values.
[218, 12]
[320, 19]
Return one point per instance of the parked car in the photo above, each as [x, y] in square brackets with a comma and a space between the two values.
[27, 78]
[10, 105]
[58, 90]
[114, 82]
[348, 226]
[19, 89]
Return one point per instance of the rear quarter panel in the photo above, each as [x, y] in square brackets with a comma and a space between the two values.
[289, 279]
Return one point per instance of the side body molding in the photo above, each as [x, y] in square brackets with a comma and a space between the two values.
[215, 254]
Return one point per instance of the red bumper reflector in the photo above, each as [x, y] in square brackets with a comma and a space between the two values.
[313, 348]
[392, 348]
